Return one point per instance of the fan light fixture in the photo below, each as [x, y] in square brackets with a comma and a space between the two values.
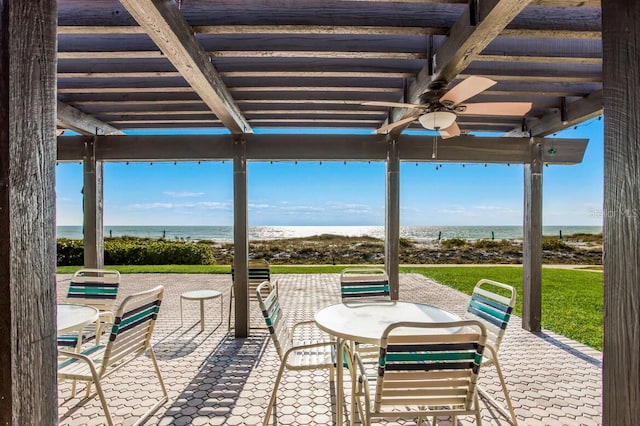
[437, 120]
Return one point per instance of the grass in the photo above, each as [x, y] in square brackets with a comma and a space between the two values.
[571, 299]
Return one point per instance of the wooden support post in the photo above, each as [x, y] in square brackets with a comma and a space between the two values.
[392, 218]
[28, 391]
[621, 72]
[532, 240]
[240, 239]
[93, 207]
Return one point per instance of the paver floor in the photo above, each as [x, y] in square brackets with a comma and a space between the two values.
[215, 379]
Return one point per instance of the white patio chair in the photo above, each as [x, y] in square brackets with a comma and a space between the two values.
[259, 271]
[364, 284]
[97, 288]
[492, 303]
[130, 337]
[423, 370]
[294, 355]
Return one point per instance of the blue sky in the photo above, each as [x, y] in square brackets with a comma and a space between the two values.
[334, 193]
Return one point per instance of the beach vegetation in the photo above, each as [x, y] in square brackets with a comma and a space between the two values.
[138, 251]
[454, 242]
[555, 243]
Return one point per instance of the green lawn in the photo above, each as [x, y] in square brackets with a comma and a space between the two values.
[571, 299]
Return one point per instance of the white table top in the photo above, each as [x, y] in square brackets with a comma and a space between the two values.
[200, 294]
[364, 322]
[74, 317]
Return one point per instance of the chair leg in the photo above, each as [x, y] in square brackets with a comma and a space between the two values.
[478, 416]
[78, 350]
[230, 303]
[510, 415]
[272, 400]
[152, 355]
[514, 420]
[103, 400]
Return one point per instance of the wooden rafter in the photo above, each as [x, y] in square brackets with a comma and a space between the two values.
[76, 120]
[576, 112]
[538, 59]
[166, 26]
[149, 54]
[332, 30]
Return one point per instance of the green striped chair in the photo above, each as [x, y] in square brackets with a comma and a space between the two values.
[130, 337]
[311, 355]
[364, 284]
[97, 288]
[492, 304]
[259, 271]
[423, 369]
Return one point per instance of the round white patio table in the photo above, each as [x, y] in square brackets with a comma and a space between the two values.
[364, 322]
[75, 317]
[202, 295]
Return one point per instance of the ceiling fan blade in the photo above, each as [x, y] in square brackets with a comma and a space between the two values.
[450, 132]
[467, 88]
[389, 127]
[517, 109]
[392, 104]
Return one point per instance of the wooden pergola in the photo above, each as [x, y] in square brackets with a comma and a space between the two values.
[103, 67]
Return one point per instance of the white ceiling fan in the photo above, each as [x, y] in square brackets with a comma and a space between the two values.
[440, 114]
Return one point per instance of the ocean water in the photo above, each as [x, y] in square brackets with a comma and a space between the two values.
[415, 233]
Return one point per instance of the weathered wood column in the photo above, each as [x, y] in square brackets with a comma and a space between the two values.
[392, 218]
[532, 240]
[93, 207]
[240, 237]
[28, 392]
[621, 369]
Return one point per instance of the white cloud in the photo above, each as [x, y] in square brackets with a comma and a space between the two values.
[183, 194]
[207, 205]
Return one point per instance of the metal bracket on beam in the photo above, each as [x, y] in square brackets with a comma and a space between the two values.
[474, 13]
[90, 152]
[537, 155]
[563, 111]
[240, 149]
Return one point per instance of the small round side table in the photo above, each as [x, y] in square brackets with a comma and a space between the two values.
[202, 295]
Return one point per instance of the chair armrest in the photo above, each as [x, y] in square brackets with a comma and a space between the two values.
[307, 346]
[106, 317]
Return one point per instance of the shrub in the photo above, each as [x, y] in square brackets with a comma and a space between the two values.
[555, 244]
[492, 244]
[406, 243]
[454, 242]
[70, 252]
[133, 251]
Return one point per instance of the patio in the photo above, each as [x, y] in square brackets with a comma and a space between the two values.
[215, 379]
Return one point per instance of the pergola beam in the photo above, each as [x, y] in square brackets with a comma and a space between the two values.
[463, 149]
[166, 26]
[575, 112]
[76, 120]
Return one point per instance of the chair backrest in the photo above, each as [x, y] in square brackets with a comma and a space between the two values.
[94, 287]
[133, 326]
[364, 284]
[431, 367]
[273, 317]
[492, 303]
[259, 272]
